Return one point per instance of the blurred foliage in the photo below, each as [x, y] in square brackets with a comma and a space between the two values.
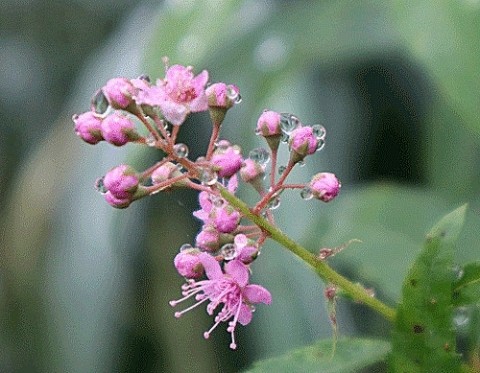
[86, 288]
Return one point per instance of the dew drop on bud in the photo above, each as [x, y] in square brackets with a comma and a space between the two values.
[306, 194]
[274, 203]
[229, 251]
[207, 176]
[99, 103]
[186, 246]
[320, 145]
[180, 150]
[259, 155]
[232, 94]
[288, 122]
[99, 186]
[461, 317]
[319, 131]
[281, 169]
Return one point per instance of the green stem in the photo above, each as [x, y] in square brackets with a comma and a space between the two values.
[328, 274]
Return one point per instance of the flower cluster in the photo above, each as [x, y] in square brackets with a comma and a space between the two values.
[218, 265]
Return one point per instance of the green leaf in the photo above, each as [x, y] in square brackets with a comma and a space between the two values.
[350, 356]
[466, 289]
[423, 339]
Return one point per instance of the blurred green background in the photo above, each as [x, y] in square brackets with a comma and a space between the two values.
[85, 288]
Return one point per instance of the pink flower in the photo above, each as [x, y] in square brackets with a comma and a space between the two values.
[221, 95]
[225, 219]
[324, 186]
[121, 181]
[88, 127]
[187, 263]
[119, 92]
[251, 171]
[208, 239]
[179, 94]
[302, 142]
[268, 124]
[118, 129]
[227, 162]
[230, 289]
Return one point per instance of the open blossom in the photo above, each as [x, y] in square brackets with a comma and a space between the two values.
[229, 289]
[179, 94]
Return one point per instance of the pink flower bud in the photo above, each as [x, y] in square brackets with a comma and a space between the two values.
[117, 129]
[221, 95]
[302, 142]
[88, 127]
[248, 254]
[208, 239]
[268, 124]
[121, 181]
[188, 263]
[119, 92]
[225, 219]
[324, 186]
[251, 171]
[166, 172]
[119, 203]
[227, 162]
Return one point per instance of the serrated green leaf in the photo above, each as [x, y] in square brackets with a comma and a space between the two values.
[466, 290]
[351, 355]
[423, 339]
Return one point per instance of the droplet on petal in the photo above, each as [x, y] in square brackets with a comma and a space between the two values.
[229, 251]
[186, 246]
[180, 150]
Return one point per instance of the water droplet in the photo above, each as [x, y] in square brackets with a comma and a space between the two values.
[229, 251]
[99, 103]
[301, 163]
[306, 193]
[258, 132]
[461, 317]
[285, 137]
[274, 203]
[320, 145]
[319, 131]
[281, 169]
[259, 155]
[180, 150]
[457, 272]
[222, 145]
[217, 201]
[288, 122]
[186, 246]
[99, 186]
[234, 95]
[151, 141]
[207, 176]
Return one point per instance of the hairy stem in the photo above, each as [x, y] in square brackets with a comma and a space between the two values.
[324, 271]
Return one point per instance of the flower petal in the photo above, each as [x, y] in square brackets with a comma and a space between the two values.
[238, 272]
[211, 266]
[173, 112]
[245, 315]
[256, 294]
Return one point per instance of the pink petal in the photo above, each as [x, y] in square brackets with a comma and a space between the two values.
[211, 266]
[257, 294]
[200, 103]
[200, 81]
[245, 315]
[233, 184]
[238, 272]
[173, 112]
